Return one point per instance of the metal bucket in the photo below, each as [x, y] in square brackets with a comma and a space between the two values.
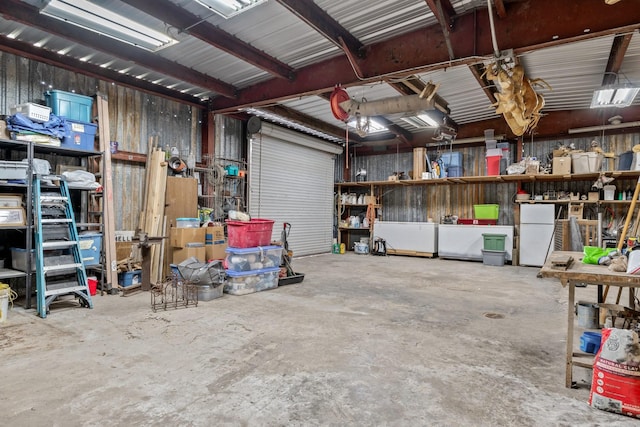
[588, 314]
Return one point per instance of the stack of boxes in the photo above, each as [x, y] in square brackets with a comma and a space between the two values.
[203, 243]
[252, 264]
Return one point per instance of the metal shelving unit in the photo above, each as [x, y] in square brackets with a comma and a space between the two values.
[31, 149]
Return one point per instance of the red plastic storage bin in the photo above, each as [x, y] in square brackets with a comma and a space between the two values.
[249, 234]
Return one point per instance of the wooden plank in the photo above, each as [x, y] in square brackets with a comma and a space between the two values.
[155, 207]
[181, 201]
[410, 253]
[419, 162]
[109, 228]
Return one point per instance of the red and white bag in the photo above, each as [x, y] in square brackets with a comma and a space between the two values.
[615, 386]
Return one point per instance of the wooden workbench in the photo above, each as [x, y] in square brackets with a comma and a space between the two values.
[587, 274]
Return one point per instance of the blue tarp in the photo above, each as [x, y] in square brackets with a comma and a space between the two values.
[54, 127]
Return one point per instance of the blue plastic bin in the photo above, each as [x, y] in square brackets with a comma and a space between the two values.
[79, 135]
[130, 278]
[69, 105]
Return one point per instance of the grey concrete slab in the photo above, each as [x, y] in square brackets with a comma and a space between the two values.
[364, 340]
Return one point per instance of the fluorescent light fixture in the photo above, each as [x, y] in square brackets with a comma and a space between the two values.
[229, 8]
[422, 121]
[374, 127]
[614, 96]
[94, 18]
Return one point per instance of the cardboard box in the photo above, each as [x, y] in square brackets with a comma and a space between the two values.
[561, 165]
[214, 234]
[216, 251]
[179, 237]
[215, 243]
[180, 254]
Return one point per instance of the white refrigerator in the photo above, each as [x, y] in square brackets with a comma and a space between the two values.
[536, 233]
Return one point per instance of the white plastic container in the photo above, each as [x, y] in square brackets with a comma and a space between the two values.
[258, 258]
[188, 222]
[586, 162]
[609, 192]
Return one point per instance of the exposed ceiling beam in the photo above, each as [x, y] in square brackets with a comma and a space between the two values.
[304, 119]
[401, 133]
[478, 71]
[27, 50]
[616, 56]
[16, 10]
[424, 49]
[552, 124]
[443, 11]
[178, 17]
[318, 19]
[500, 9]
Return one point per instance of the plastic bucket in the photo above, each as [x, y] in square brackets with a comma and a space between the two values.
[92, 282]
[4, 304]
[4, 307]
[587, 315]
[361, 248]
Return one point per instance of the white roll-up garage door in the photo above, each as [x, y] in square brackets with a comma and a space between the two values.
[291, 180]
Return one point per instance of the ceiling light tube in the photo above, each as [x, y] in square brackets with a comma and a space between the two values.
[103, 21]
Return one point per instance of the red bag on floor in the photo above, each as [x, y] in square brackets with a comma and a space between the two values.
[615, 386]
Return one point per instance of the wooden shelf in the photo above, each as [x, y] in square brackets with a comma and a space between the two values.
[495, 179]
[567, 201]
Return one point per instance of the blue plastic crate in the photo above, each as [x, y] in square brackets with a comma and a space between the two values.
[69, 105]
[79, 135]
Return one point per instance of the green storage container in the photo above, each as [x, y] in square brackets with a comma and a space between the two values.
[486, 211]
[493, 242]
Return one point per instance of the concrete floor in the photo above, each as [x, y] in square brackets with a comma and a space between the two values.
[363, 340]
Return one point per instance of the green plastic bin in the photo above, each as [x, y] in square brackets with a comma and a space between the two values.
[486, 211]
[493, 242]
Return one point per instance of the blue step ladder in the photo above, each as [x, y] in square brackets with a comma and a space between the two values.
[59, 267]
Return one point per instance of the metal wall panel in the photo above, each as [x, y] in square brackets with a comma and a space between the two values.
[134, 117]
[420, 202]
